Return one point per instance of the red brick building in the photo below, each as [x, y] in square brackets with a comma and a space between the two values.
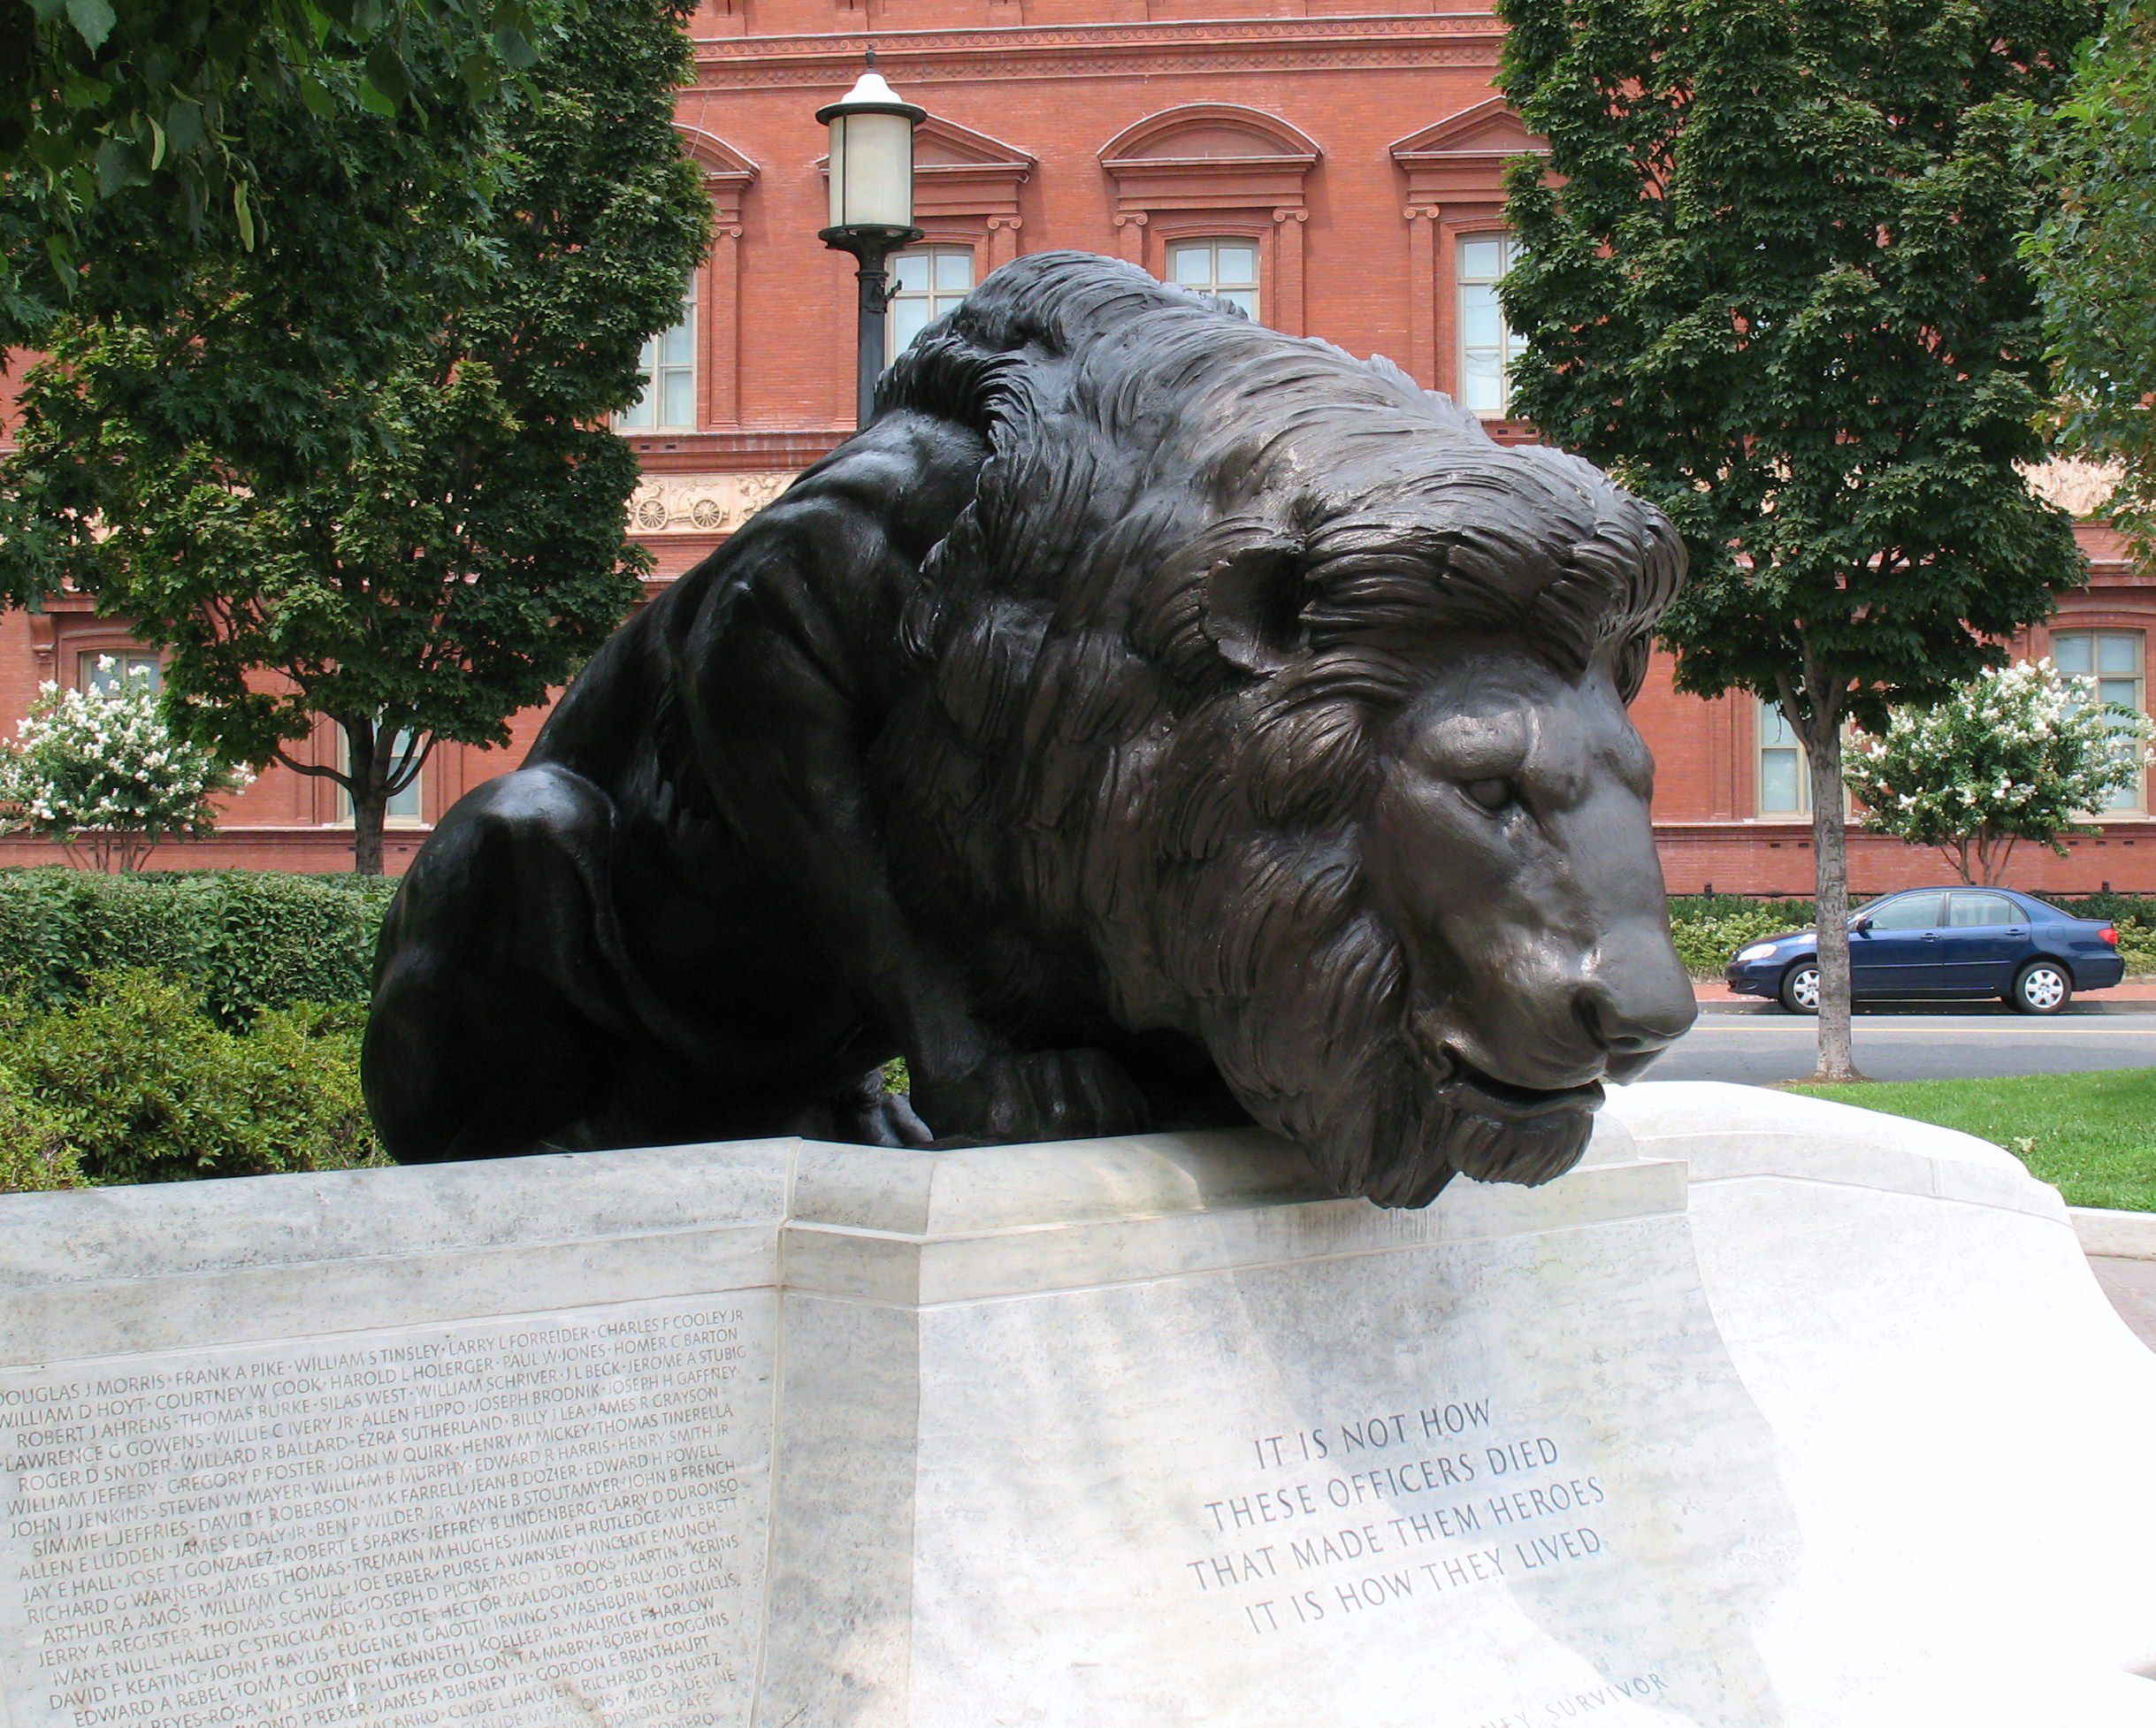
[1334, 170]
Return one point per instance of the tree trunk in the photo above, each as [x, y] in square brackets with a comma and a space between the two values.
[368, 807]
[1830, 852]
[366, 777]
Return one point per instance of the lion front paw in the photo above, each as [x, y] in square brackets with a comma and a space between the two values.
[1033, 1095]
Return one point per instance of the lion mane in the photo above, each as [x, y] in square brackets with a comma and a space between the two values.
[1204, 565]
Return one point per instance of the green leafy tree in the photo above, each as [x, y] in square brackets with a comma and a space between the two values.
[415, 552]
[1772, 283]
[130, 135]
[99, 771]
[2094, 256]
[2020, 753]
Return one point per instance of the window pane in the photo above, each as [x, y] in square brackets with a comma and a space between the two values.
[105, 671]
[1967, 911]
[2118, 651]
[954, 269]
[908, 319]
[1243, 300]
[911, 270]
[1481, 260]
[408, 806]
[1482, 324]
[2074, 654]
[1482, 382]
[664, 402]
[680, 397]
[1915, 912]
[2122, 693]
[404, 806]
[1774, 726]
[1778, 781]
[1236, 266]
[1191, 265]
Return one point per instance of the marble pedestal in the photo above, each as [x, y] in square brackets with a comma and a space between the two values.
[1774, 1414]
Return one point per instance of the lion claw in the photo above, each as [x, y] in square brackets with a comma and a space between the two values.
[1033, 1095]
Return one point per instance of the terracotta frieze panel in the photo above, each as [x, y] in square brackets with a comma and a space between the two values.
[700, 504]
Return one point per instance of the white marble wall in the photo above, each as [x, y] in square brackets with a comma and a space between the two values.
[1773, 1415]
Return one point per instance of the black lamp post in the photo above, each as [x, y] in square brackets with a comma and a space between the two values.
[872, 202]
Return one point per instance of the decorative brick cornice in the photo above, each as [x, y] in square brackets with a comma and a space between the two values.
[734, 452]
[1105, 50]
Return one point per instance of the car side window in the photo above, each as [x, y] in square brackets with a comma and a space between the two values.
[1912, 912]
[1968, 912]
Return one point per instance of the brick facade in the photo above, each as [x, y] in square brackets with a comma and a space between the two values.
[1356, 153]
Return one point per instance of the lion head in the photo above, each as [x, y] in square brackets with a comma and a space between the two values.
[1284, 710]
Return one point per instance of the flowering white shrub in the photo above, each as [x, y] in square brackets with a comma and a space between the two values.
[99, 771]
[2022, 753]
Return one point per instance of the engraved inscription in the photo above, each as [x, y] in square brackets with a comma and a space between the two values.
[1361, 1513]
[506, 1525]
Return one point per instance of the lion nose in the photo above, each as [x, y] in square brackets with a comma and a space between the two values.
[1634, 1029]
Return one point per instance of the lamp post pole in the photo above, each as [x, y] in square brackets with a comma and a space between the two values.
[872, 205]
[874, 301]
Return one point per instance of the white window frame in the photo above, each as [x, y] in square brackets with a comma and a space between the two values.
[415, 816]
[1231, 292]
[939, 300]
[2095, 636]
[1767, 726]
[1509, 344]
[656, 370]
[1764, 715]
[124, 661]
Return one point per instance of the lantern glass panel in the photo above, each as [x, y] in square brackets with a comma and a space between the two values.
[872, 171]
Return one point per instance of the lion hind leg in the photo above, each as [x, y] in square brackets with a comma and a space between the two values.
[498, 1025]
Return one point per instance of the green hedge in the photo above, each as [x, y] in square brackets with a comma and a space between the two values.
[136, 1082]
[1709, 928]
[243, 940]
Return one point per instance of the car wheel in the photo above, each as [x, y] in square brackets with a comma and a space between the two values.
[1801, 988]
[2042, 987]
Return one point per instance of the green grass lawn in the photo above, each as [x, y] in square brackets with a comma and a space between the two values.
[2092, 1135]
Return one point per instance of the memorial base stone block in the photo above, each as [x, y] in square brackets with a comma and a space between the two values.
[1774, 1414]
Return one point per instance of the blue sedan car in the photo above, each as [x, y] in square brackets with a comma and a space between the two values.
[1944, 943]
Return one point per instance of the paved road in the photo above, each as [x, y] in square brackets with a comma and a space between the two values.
[1758, 1049]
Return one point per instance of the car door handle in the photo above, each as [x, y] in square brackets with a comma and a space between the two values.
[1931, 935]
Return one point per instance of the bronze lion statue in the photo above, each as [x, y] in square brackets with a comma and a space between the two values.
[1150, 719]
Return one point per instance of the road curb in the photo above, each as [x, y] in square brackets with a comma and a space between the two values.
[2114, 1235]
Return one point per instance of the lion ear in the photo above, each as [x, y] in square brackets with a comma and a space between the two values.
[1254, 601]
